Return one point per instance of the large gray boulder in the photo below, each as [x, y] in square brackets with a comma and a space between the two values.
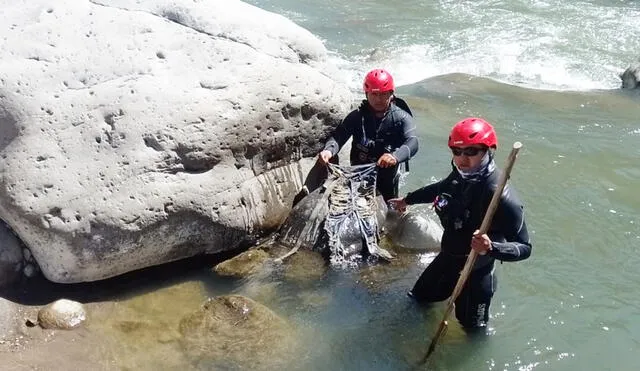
[137, 133]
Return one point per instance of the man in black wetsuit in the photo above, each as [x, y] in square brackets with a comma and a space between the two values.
[383, 132]
[461, 200]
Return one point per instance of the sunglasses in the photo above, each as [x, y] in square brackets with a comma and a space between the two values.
[468, 151]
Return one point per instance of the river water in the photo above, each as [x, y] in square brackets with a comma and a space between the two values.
[545, 73]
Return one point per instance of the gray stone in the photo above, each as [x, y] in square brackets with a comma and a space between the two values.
[62, 314]
[631, 77]
[138, 133]
[30, 270]
[244, 264]
[417, 229]
[240, 332]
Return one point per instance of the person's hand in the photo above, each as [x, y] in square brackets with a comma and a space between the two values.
[387, 160]
[398, 204]
[480, 243]
[325, 156]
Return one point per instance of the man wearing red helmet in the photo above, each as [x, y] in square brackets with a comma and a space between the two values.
[383, 132]
[460, 200]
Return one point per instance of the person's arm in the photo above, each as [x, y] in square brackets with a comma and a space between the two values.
[410, 146]
[512, 226]
[342, 133]
[423, 195]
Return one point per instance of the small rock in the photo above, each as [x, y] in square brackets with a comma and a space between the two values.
[243, 265]
[27, 254]
[62, 314]
[631, 77]
[29, 270]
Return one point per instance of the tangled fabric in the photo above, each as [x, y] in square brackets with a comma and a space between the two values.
[351, 224]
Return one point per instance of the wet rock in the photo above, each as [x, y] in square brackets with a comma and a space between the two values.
[62, 314]
[304, 266]
[30, 270]
[631, 77]
[416, 229]
[377, 55]
[142, 332]
[243, 265]
[380, 277]
[237, 332]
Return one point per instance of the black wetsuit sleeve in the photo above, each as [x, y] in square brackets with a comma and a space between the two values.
[343, 132]
[410, 145]
[512, 226]
[423, 195]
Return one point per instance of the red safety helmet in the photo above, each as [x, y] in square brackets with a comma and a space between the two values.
[473, 130]
[378, 81]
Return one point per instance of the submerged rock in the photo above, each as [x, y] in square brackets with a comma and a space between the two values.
[380, 277]
[141, 332]
[305, 266]
[62, 314]
[244, 264]
[416, 229]
[236, 332]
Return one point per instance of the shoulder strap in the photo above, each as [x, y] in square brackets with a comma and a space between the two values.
[402, 104]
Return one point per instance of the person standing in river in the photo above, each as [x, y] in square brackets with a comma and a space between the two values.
[383, 132]
[460, 201]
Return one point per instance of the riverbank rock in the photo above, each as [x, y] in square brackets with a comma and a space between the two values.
[139, 133]
[62, 314]
[417, 229]
[233, 331]
[243, 265]
[631, 77]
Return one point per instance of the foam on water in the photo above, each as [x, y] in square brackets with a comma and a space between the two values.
[538, 44]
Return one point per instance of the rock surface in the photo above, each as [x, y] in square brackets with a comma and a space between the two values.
[417, 229]
[631, 77]
[243, 265]
[62, 314]
[138, 133]
[234, 331]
